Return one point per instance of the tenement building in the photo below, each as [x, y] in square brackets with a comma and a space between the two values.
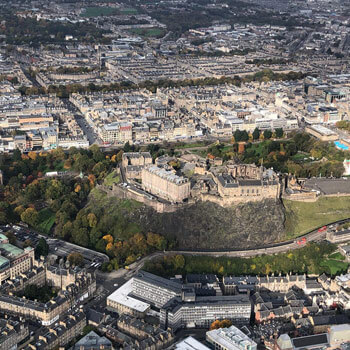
[60, 334]
[84, 285]
[193, 311]
[12, 332]
[165, 184]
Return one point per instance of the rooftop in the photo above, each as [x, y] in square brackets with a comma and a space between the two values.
[167, 175]
[159, 281]
[231, 338]
[190, 344]
[121, 296]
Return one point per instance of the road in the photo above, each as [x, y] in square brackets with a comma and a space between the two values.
[88, 131]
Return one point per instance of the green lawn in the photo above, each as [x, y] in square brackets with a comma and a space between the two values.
[302, 217]
[335, 267]
[301, 158]
[191, 145]
[128, 11]
[111, 179]
[99, 11]
[337, 256]
[46, 220]
[148, 32]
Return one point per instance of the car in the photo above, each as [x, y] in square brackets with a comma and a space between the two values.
[301, 241]
[115, 284]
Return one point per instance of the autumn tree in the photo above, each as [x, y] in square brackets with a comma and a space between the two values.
[92, 219]
[220, 324]
[156, 241]
[75, 259]
[30, 216]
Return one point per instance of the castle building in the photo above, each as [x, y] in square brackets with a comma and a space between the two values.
[165, 184]
[134, 162]
[247, 182]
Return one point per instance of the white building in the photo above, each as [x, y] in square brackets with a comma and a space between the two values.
[230, 339]
[190, 344]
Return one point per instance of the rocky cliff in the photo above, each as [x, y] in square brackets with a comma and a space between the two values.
[206, 225]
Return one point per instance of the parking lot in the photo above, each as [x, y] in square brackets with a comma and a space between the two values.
[56, 246]
[63, 249]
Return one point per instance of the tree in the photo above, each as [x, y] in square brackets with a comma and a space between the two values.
[256, 134]
[11, 237]
[119, 156]
[267, 134]
[27, 243]
[130, 259]
[279, 133]
[80, 236]
[156, 241]
[75, 259]
[179, 262]
[108, 238]
[220, 324]
[92, 219]
[127, 147]
[30, 216]
[42, 248]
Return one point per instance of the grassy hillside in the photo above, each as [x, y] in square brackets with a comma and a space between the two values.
[302, 217]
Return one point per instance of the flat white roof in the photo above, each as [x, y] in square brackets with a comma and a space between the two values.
[231, 338]
[323, 130]
[121, 296]
[190, 344]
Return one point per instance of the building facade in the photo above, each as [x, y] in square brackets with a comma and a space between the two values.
[165, 184]
[14, 260]
[154, 289]
[202, 311]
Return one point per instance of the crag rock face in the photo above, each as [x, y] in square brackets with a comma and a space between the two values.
[206, 225]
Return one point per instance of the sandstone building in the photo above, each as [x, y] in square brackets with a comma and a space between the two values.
[14, 260]
[165, 184]
[247, 182]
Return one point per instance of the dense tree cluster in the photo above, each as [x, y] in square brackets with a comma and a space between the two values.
[26, 30]
[309, 259]
[42, 294]
[343, 124]
[299, 154]
[41, 202]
